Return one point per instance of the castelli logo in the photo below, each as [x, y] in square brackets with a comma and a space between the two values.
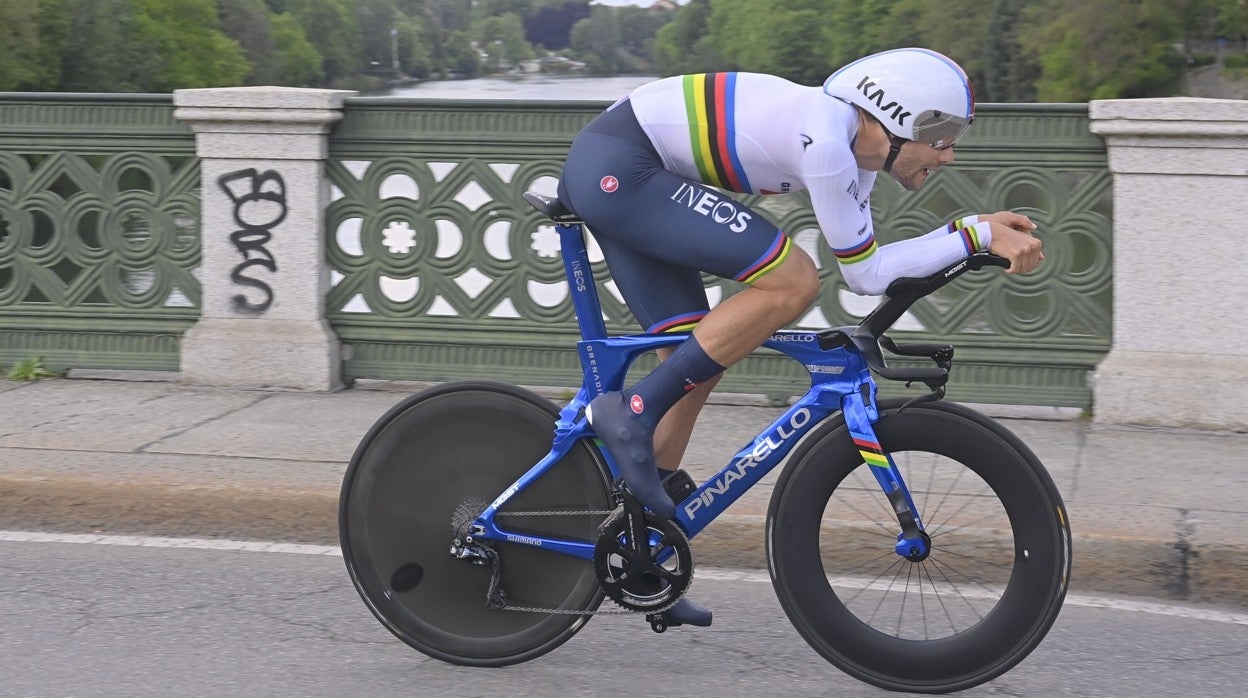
[636, 405]
[609, 184]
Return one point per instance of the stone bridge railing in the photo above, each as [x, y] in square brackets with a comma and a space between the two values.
[304, 238]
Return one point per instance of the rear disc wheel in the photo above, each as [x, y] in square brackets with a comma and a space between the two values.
[422, 474]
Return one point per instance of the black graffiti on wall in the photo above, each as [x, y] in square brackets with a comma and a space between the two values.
[259, 206]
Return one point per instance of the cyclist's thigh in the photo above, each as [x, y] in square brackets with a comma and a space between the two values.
[664, 297]
[658, 229]
[625, 195]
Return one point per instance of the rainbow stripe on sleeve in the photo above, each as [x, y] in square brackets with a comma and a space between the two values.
[857, 253]
[710, 105]
[969, 237]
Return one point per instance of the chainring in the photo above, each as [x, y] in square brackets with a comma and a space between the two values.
[630, 575]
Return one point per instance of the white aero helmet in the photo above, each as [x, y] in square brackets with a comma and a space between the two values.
[916, 94]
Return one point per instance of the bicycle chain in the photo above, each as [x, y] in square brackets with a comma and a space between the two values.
[553, 513]
[495, 592]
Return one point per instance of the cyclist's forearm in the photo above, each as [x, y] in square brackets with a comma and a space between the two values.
[919, 256]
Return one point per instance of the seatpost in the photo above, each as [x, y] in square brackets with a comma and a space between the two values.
[581, 281]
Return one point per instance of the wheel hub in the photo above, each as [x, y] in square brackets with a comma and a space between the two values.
[912, 550]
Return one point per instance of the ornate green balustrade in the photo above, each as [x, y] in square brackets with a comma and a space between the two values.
[99, 230]
[441, 271]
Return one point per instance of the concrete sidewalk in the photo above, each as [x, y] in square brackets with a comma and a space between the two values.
[1154, 511]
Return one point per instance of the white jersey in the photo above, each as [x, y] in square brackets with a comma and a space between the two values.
[761, 134]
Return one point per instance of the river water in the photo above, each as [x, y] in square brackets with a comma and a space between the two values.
[528, 87]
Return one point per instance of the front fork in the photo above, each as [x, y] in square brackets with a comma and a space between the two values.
[860, 413]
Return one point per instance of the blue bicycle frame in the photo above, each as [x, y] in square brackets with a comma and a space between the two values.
[841, 381]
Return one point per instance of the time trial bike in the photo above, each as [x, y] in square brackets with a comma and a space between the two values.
[917, 545]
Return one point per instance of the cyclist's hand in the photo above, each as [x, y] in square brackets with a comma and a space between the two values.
[1012, 238]
[1013, 220]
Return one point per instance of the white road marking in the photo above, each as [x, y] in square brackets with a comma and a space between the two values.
[711, 574]
[151, 542]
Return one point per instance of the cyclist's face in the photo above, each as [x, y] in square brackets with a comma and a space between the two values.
[917, 161]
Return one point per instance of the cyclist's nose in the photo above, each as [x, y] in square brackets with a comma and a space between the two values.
[947, 156]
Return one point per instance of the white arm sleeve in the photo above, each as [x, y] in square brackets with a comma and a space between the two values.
[842, 206]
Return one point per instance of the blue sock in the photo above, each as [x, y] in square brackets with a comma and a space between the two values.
[655, 394]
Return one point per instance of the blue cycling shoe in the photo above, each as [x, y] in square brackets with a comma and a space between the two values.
[686, 612]
[631, 443]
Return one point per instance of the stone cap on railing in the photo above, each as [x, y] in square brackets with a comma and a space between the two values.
[231, 120]
[1133, 129]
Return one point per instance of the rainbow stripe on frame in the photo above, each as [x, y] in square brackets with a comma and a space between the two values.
[710, 105]
[872, 453]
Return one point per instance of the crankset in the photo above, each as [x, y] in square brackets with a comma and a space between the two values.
[643, 562]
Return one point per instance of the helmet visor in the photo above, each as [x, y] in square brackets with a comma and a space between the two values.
[940, 129]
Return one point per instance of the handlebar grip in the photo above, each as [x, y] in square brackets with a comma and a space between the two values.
[988, 259]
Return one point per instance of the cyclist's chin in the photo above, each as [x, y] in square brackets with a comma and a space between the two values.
[910, 181]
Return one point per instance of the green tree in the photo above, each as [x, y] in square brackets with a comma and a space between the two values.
[19, 46]
[54, 30]
[459, 55]
[416, 47]
[943, 27]
[248, 22]
[855, 29]
[787, 40]
[1215, 19]
[495, 8]
[332, 24]
[502, 38]
[377, 20]
[1009, 71]
[298, 63]
[1232, 21]
[684, 45]
[451, 15]
[104, 49]
[189, 48]
[638, 28]
[1105, 50]
[146, 46]
[597, 41]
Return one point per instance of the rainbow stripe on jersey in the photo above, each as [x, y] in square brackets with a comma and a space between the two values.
[770, 259]
[710, 104]
[680, 323]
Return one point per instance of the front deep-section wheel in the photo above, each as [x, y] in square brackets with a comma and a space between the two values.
[983, 598]
[421, 475]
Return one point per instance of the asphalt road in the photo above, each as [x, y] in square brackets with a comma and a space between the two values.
[178, 617]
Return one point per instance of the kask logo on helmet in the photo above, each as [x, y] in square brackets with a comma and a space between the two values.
[875, 94]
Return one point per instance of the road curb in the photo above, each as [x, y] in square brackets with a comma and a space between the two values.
[1168, 569]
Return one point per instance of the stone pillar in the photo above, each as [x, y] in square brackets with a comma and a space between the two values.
[1180, 349]
[264, 276]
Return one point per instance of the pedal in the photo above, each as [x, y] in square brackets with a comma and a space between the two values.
[679, 486]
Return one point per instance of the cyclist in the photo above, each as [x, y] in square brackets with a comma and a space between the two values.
[648, 177]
